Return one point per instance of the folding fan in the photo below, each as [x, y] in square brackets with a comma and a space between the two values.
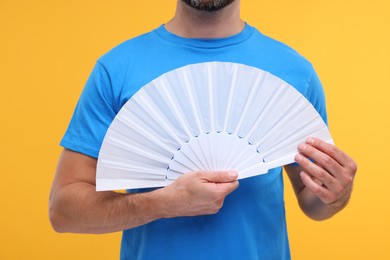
[207, 116]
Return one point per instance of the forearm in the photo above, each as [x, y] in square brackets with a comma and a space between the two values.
[318, 200]
[75, 206]
[78, 208]
[315, 208]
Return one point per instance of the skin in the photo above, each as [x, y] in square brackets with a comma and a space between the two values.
[76, 207]
[322, 188]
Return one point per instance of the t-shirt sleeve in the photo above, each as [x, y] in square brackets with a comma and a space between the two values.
[93, 115]
[316, 96]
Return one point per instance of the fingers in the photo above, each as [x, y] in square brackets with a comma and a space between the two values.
[331, 174]
[323, 159]
[200, 193]
[219, 176]
[316, 187]
[332, 151]
[328, 159]
[226, 187]
[318, 173]
[222, 182]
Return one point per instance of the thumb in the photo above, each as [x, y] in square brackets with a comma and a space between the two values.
[220, 176]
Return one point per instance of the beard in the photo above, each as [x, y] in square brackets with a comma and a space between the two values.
[208, 5]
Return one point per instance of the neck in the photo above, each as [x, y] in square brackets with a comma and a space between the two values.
[191, 23]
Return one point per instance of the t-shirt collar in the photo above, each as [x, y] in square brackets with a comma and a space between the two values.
[205, 43]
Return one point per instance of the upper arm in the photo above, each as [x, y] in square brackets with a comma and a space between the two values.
[74, 167]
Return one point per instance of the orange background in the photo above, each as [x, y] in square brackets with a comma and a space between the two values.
[48, 48]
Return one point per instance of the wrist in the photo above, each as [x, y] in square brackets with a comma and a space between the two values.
[160, 203]
[143, 208]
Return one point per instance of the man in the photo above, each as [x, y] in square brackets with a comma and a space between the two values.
[202, 215]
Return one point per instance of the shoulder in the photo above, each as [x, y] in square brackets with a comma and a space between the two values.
[280, 50]
[121, 62]
[123, 52]
[280, 60]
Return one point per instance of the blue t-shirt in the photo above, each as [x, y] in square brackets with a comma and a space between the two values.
[251, 224]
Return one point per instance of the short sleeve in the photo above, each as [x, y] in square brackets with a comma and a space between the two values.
[316, 96]
[93, 114]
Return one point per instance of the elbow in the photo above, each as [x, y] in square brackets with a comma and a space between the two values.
[318, 217]
[56, 216]
[56, 220]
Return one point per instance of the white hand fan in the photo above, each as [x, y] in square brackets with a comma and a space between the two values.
[207, 116]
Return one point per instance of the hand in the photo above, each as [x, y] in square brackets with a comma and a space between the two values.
[199, 193]
[330, 176]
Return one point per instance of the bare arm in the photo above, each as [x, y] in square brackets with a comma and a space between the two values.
[322, 188]
[75, 206]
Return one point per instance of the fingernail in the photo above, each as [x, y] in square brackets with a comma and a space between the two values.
[310, 140]
[298, 157]
[302, 147]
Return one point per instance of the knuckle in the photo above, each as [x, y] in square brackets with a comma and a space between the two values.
[321, 174]
[327, 160]
[332, 182]
[339, 189]
[213, 211]
[331, 149]
[348, 180]
[217, 205]
[353, 166]
[331, 197]
[316, 190]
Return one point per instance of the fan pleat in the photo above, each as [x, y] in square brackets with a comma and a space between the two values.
[261, 122]
[149, 154]
[192, 100]
[159, 119]
[288, 113]
[232, 94]
[252, 94]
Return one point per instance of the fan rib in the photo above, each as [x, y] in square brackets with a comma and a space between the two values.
[250, 158]
[195, 148]
[189, 162]
[180, 167]
[186, 149]
[104, 184]
[250, 172]
[126, 159]
[205, 148]
[147, 172]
